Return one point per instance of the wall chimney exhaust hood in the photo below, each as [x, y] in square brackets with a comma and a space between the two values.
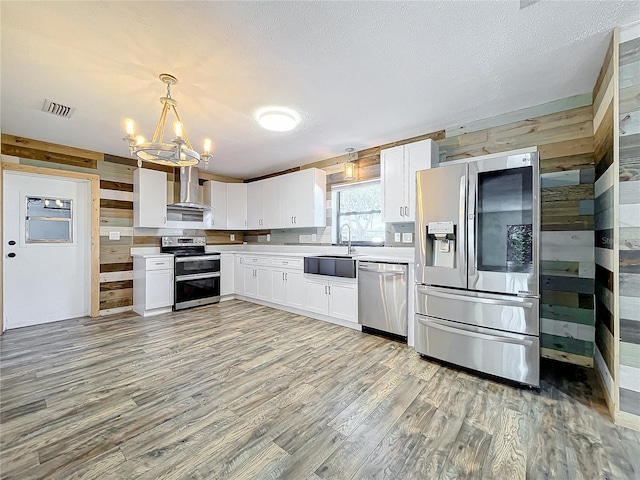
[189, 190]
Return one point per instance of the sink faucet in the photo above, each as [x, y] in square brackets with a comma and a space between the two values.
[350, 250]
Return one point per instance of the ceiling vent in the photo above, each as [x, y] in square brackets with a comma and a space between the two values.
[58, 109]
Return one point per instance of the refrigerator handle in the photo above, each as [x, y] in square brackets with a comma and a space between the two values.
[462, 257]
[471, 225]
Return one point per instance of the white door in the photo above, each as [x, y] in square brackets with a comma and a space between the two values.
[226, 274]
[159, 289]
[264, 283]
[255, 205]
[271, 202]
[218, 203]
[278, 294]
[416, 158]
[236, 206]
[47, 249]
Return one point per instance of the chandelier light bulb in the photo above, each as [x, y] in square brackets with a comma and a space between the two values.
[207, 146]
[177, 128]
[139, 140]
[130, 127]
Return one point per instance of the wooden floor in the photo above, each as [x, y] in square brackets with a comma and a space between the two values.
[242, 391]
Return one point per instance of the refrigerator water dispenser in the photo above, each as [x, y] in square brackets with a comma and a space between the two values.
[442, 237]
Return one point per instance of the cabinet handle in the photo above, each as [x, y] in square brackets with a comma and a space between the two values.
[245, 223]
[406, 211]
[325, 289]
[401, 214]
[286, 277]
[165, 220]
[329, 289]
[295, 219]
[283, 276]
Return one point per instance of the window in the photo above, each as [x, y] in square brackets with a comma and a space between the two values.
[358, 205]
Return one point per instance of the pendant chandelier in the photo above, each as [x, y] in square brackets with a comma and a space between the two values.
[350, 166]
[176, 153]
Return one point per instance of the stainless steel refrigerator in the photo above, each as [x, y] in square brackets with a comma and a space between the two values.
[477, 274]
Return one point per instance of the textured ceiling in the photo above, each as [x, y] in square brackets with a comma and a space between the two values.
[360, 73]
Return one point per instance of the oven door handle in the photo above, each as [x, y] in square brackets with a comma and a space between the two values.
[197, 276]
[195, 258]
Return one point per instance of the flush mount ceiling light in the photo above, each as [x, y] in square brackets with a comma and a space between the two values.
[350, 166]
[277, 119]
[177, 153]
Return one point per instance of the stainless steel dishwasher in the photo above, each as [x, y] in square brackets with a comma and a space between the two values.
[382, 297]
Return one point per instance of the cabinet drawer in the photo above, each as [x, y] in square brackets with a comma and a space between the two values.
[255, 261]
[293, 263]
[159, 263]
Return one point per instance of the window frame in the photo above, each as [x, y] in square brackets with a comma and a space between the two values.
[336, 238]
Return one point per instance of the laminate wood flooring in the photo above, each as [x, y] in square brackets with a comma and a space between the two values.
[241, 391]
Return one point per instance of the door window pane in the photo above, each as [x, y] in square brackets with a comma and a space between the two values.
[505, 220]
[48, 220]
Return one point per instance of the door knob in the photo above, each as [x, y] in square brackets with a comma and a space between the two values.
[12, 242]
[11, 255]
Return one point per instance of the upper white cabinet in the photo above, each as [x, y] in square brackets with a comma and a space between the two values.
[302, 199]
[398, 167]
[215, 195]
[263, 204]
[149, 198]
[236, 206]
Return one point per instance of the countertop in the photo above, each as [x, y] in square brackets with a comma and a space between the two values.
[149, 254]
[382, 254]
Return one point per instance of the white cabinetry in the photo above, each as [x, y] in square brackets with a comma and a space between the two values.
[302, 199]
[236, 206]
[334, 298]
[149, 198]
[288, 288]
[153, 285]
[294, 200]
[227, 283]
[215, 195]
[398, 167]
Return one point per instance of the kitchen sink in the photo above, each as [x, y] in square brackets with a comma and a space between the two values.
[331, 265]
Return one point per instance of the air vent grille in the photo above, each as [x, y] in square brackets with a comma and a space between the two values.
[58, 109]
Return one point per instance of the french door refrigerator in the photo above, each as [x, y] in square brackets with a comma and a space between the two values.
[477, 292]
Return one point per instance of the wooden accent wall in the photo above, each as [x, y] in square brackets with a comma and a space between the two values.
[628, 233]
[605, 238]
[116, 210]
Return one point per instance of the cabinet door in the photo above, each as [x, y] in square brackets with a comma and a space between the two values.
[254, 205]
[236, 206]
[303, 198]
[392, 177]
[271, 203]
[315, 296]
[343, 301]
[159, 289]
[149, 198]
[250, 282]
[294, 286]
[238, 276]
[264, 283]
[289, 192]
[278, 293]
[416, 157]
[226, 274]
[218, 202]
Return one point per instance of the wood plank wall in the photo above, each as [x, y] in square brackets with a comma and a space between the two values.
[606, 174]
[116, 210]
[629, 226]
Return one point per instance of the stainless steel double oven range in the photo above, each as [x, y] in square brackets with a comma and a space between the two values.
[197, 273]
[477, 275]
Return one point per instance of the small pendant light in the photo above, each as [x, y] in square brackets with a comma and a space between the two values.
[350, 166]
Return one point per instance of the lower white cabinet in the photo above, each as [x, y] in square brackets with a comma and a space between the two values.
[287, 288]
[153, 285]
[227, 283]
[332, 297]
[257, 282]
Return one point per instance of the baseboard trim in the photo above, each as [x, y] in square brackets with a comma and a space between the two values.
[628, 420]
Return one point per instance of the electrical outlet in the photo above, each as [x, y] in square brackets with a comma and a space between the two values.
[114, 235]
[396, 237]
[232, 237]
[268, 237]
[407, 237]
[314, 237]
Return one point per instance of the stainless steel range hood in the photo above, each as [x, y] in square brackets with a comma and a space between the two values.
[189, 190]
